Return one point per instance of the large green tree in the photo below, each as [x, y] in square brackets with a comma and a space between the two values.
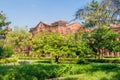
[5, 49]
[83, 49]
[102, 38]
[60, 45]
[42, 43]
[96, 13]
[50, 43]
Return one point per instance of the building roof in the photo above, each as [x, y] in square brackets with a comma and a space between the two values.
[59, 23]
[59, 26]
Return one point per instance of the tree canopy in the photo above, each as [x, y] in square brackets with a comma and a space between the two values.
[97, 13]
[102, 38]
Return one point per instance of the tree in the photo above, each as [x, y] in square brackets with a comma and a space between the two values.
[51, 43]
[3, 20]
[81, 47]
[60, 45]
[5, 49]
[116, 3]
[3, 23]
[19, 38]
[101, 38]
[114, 46]
[96, 14]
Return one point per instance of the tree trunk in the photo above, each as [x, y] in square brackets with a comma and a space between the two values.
[99, 53]
[57, 58]
[102, 53]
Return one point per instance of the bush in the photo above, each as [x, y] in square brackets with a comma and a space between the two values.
[105, 60]
[82, 61]
[8, 60]
[6, 52]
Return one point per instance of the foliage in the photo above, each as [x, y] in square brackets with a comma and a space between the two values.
[59, 44]
[3, 32]
[93, 60]
[6, 52]
[116, 3]
[3, 23]
[116, 14]
[8, 60]
[102, 38]
[40, 71]
[96, 13]
[48, 71]
[3, 20]
[52, 43]
[19, 38]
[82, 61]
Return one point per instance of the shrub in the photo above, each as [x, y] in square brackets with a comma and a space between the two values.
[8, 60]
[82, 61]
[6, 52]
[92, 60]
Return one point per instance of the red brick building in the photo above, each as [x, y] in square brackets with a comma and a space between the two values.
[62, 27]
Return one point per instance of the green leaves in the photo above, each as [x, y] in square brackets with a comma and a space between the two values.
[49, 42]
[19, 38]
[59, 44]
[3, 20]
[103, 38]
[95, 14]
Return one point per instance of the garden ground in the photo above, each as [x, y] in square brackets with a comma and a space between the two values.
[92, 71]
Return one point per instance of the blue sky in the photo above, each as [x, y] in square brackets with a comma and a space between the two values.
[31, 12]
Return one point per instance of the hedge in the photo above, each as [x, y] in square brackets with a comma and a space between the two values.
[8, 60]
[105, 60]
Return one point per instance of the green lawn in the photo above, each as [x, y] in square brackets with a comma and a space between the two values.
[64, 71]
